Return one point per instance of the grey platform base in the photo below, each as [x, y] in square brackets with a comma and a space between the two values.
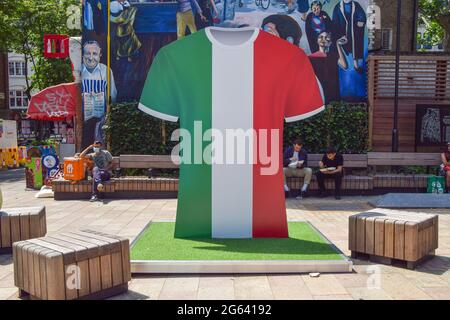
[412, 201]
[199, 267]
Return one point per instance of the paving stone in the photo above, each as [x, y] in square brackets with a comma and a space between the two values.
[326, 284]
[333, 297]
[289, 287]
[438, 293]
[364, 293]
[400, 288]
[252, 288]
[180, 288]
[128, 217]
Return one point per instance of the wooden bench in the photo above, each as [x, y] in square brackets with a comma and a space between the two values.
[386, 236]
[119, 187]
[350, 183]
[152, 186]
[389, 181]
[403, 159]
[73, 265]
[18, 224]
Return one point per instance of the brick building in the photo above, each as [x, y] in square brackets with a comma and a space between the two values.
[384, 38]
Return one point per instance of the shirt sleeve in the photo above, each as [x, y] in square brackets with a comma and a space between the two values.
[304, 98]
[113, 91]
[159, 96]
[197, 7]
[109, 156]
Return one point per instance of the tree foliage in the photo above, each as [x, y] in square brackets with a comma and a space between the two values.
[23, 24]
[435, 15]
[343, 125]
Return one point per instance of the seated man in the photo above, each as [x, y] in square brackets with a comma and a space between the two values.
[103, 162]
[295, 164]
[331, 167]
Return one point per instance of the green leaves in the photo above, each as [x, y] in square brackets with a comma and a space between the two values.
[23, 24]
[435, 16]
[343, 125]
[133, 132]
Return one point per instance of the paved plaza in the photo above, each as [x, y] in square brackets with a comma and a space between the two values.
[128, 217]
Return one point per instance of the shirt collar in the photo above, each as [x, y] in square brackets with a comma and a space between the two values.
[97, 68]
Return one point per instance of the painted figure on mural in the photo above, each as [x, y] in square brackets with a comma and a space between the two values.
[303, 8]
[92, 16]
[126, 43]
[349, 20]
[431, 126]
[317, 22]
[207, 8]
[283, 26]
[94, 90]
[185, 16]
[326, 62]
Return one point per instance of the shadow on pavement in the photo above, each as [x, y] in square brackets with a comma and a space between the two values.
[12, 175]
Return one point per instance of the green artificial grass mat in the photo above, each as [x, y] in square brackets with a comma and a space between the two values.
[157, 242]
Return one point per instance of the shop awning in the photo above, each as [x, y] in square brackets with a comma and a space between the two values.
[55, 103]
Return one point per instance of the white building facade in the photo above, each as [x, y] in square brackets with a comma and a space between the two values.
[17, 70]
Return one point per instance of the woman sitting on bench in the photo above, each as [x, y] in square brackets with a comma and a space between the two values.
[445, 166]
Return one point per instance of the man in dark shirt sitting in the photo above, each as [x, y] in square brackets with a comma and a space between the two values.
[331, 167]
[295, 164]
[103, 163]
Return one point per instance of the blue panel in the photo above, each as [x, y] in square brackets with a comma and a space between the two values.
[155, 17]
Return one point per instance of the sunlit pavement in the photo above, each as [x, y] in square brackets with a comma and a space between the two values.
[128, 217]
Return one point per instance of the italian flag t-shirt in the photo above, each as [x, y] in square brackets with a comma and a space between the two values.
[231, 80]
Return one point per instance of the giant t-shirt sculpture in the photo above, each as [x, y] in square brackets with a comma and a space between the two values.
[231, 88]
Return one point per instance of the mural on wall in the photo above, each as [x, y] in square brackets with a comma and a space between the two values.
[94, 71]
[432, 125]
[333, 33]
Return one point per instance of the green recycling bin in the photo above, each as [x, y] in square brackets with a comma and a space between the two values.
[436, 184]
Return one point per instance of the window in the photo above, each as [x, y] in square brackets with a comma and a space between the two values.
[18, 99]
[386, 39]
[17, 68]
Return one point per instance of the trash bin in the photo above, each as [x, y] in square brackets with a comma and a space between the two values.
[436, 184]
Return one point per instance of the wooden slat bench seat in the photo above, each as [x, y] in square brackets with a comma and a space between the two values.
[350, 184]
[403, 159]
[399, 181]
[73, 265]
[147, 162]
[18, 224]
[164, 187]
[407, 183]
[118, 188]
[385, 235]
[350, 160]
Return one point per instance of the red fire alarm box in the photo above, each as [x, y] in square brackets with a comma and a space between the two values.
[56, 46]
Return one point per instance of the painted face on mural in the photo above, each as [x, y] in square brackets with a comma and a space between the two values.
[324, 40]
[91, 55]
[316, 9]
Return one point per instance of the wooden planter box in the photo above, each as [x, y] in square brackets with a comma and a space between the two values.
[73, 265]
[387, 235]
[18, 224]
